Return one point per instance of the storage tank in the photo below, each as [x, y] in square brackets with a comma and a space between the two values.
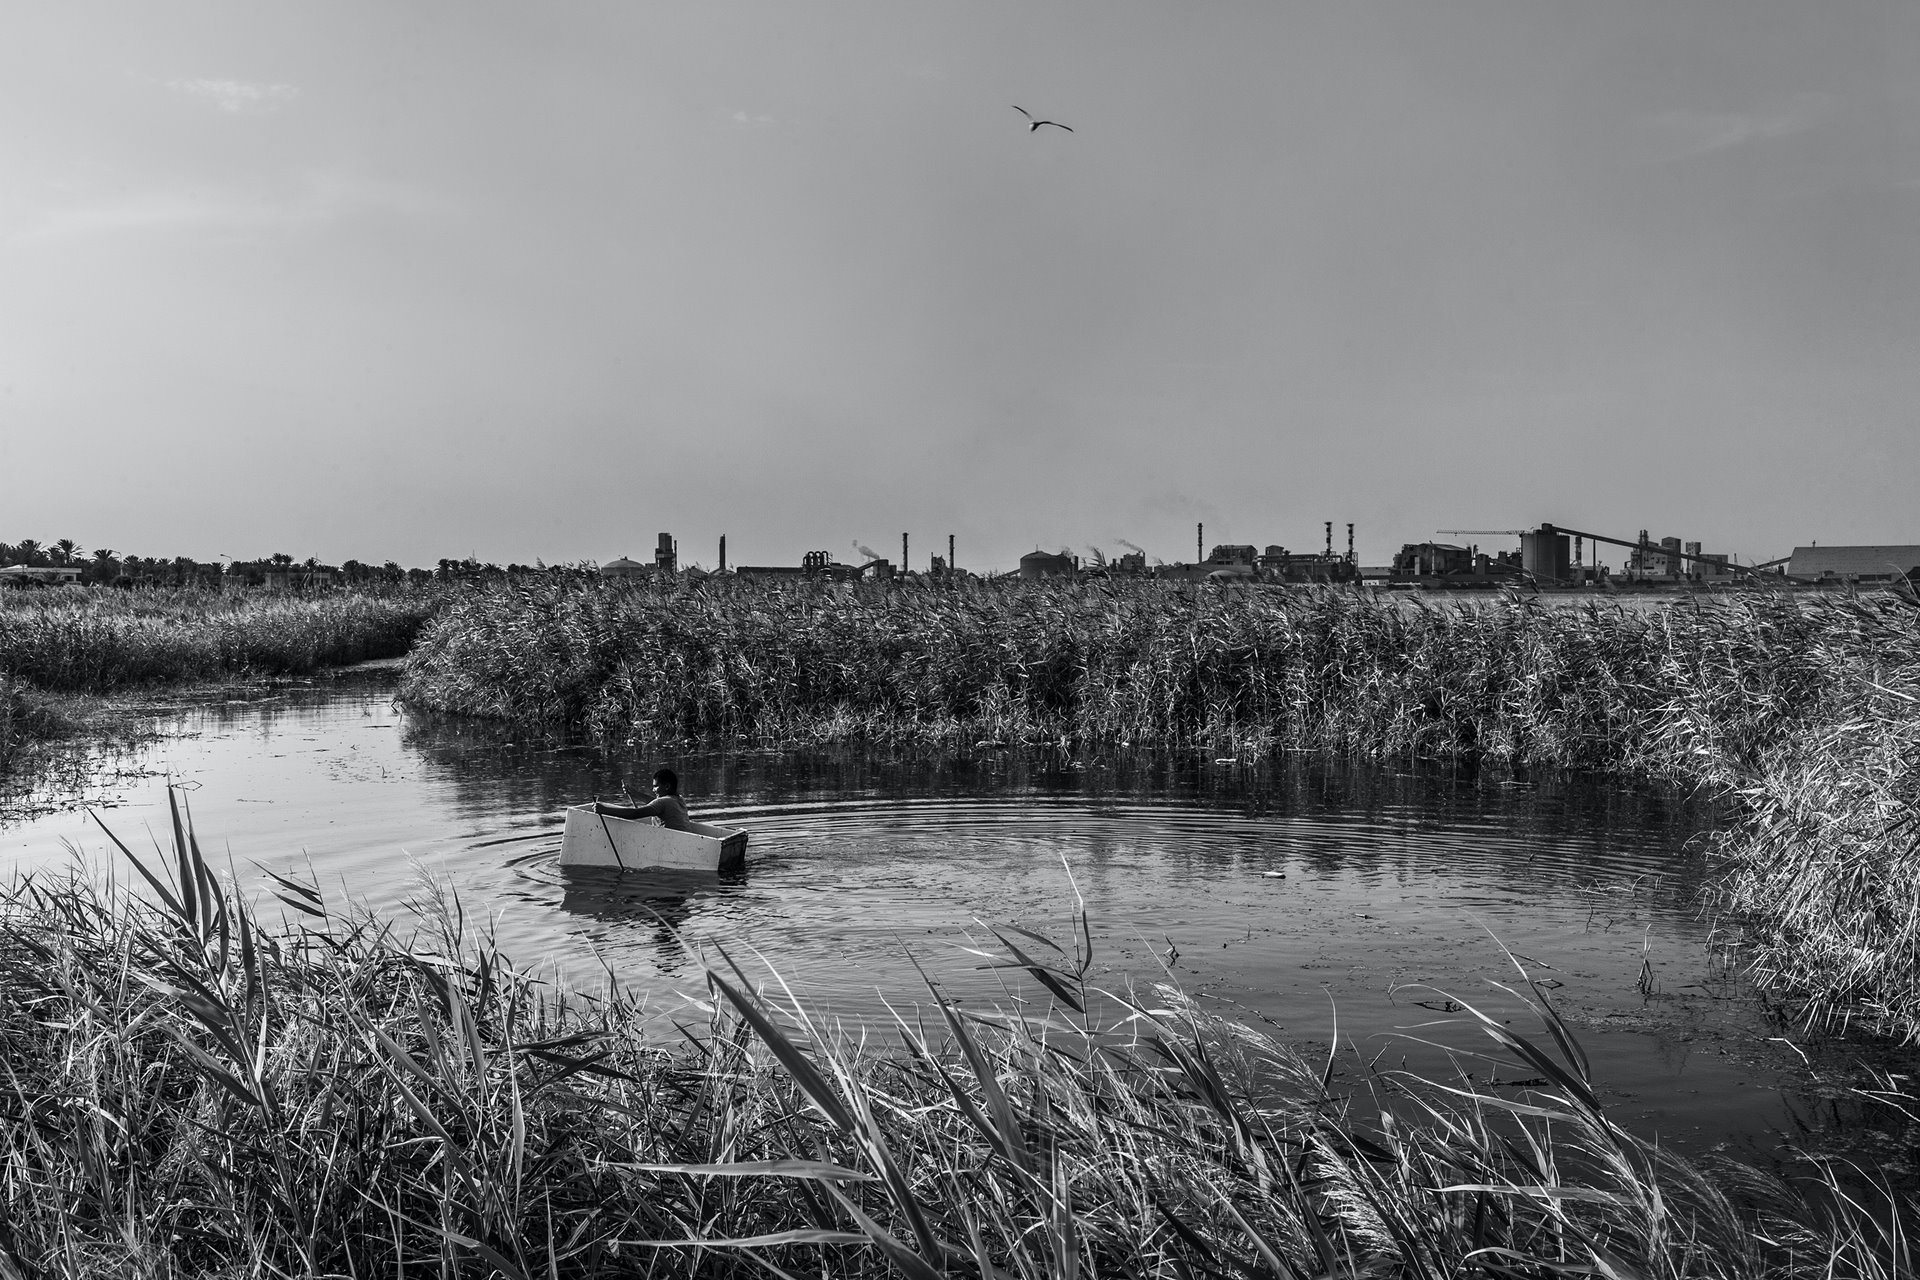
[1545, 554]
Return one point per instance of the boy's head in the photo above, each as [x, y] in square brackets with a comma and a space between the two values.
[667, 782]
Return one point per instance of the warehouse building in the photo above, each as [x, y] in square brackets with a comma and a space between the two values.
[1864, 565]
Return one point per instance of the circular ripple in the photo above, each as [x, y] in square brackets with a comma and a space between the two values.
[1275, 910]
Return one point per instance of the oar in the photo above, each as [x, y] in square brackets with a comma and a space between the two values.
[608, 832]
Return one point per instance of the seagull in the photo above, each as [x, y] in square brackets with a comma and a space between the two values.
[1033, 126]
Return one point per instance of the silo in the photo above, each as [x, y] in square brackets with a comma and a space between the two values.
[1544, 555]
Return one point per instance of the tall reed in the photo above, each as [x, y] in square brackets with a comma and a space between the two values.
[1825, 869]
[98, 641]
[1801, 707]
[191, 1090]
[1696, 688]
[16, 720]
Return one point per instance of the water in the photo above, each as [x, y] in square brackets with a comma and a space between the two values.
[1302, 895]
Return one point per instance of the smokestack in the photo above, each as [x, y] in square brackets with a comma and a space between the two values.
[1199, 543]
[905, 564]
[723, 553]
[950, 564]
[1329, 539]
[1350, 559]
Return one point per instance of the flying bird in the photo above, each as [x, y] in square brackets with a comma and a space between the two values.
[1033, 126]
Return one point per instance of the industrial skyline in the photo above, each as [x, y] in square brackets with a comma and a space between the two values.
[393, 281]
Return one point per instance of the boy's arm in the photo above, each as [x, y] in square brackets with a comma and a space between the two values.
[652, 809]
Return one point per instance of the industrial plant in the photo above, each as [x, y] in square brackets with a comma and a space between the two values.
[1547, 557]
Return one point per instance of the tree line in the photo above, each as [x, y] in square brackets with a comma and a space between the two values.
[107, 567]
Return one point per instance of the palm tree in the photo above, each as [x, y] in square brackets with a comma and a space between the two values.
[28, 550]
[65, 550]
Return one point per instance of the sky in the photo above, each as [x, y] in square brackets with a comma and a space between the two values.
[382, 280]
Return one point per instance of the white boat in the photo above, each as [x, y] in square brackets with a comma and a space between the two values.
[598, 840]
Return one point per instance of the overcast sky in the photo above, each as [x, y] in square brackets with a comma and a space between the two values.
[410, 280]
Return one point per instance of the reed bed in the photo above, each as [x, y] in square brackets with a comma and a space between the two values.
[191, 1090]
[17, 720]
[100, 641]
[1701, 688]
[1824, 869]
[1805, 709]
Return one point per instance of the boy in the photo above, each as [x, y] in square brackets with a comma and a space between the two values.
[666, 805]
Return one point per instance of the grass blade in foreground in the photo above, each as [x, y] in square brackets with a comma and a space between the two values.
[427, 1120]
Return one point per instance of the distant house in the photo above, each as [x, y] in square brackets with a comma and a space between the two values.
[300, 577]
[621, 567]
[1855, 564]
[58, 575]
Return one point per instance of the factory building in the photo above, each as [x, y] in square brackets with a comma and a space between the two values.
[1442, 564]
[1233, 560]
[1228, 560]
[814, 565]
[621, 567]
[1277, 564]
[1671, 560]
[1046, 564]
[1866, 566]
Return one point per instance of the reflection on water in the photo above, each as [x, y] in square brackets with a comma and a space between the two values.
[1286, 893]
[657, 905]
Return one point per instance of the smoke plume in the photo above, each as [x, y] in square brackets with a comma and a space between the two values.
[1135, 547]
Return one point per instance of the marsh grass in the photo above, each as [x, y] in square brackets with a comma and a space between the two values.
[68, 658]
[21, 719]
[101, 641]
[190, 1090]
[1825, 870]
[1805, 709]
[1151, 665]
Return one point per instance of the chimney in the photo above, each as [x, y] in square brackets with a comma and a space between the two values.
[723, 553]
[1329, 539]
[1350, 559]
[905, 564]
[1199, 543]
[950, 553]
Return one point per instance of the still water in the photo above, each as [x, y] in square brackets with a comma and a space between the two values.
[1340, 906]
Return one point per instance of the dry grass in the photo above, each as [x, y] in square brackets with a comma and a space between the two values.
[1825, 870]
[1146, 664]
[98, 641]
